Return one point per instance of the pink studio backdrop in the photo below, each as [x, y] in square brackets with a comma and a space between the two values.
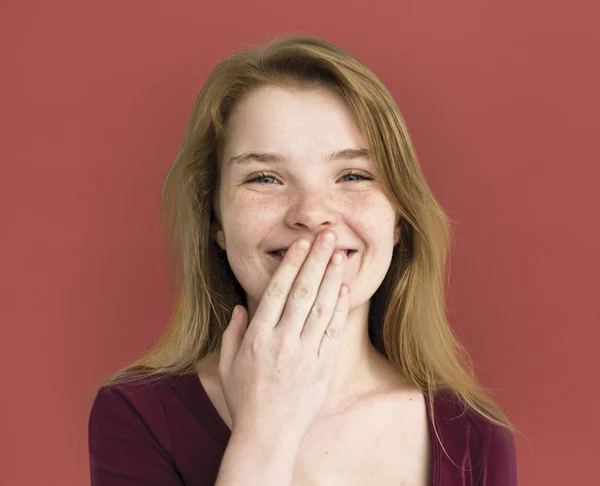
[501, 99]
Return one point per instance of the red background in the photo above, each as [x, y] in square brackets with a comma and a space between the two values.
[501, 99]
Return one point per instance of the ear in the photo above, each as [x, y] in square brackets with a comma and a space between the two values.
[219, 237]
[397, 235]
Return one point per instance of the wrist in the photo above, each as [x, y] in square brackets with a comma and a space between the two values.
[267, 442]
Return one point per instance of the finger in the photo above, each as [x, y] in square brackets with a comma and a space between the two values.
[332, 337]
[272, 303]
[306, 286]
[322, 310]
[232, 338]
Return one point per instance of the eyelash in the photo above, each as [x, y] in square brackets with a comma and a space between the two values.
[362, 175]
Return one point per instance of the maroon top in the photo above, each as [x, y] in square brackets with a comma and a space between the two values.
[169, 433]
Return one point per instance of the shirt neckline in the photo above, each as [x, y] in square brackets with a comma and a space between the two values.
[223, 432]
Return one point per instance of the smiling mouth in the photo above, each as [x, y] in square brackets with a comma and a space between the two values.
[278, 255]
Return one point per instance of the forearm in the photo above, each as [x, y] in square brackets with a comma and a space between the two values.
[258, 460]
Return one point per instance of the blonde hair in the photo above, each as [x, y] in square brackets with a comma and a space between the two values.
[407, 321]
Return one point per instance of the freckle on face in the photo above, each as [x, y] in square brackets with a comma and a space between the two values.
[283, 121]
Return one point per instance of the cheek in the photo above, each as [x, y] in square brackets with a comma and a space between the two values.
[375, 213]
[247, 204]
[247, 222]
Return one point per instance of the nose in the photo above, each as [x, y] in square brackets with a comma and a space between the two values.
[312, 211]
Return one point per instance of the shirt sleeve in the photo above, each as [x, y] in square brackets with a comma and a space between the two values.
[500, 463]
[123, 447]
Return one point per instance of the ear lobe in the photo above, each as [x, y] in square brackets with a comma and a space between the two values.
[396, 235]
[219, 238]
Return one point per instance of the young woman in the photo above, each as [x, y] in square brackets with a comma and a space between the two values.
[338, 366]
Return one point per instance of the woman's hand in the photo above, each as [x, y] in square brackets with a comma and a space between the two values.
[275, 373]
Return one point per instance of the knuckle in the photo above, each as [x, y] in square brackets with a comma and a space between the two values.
[274, 289]
[258, 343]
[331, 332]
[319, 311]
[300, 292]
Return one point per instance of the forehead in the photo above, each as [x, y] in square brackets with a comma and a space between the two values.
[294, 122]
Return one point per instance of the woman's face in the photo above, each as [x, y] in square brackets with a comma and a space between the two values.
[301, 191]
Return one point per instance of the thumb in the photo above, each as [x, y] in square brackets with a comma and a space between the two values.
[233, 337]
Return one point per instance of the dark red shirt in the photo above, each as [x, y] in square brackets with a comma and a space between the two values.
[169, 433]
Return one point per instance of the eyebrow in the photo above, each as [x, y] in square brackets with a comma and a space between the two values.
[270, 157]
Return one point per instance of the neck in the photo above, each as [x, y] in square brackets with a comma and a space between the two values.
[360, 369]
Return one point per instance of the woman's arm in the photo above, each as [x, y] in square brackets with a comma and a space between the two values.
[263, 458]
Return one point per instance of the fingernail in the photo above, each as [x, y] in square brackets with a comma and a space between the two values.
[328, 239]
[303, 245]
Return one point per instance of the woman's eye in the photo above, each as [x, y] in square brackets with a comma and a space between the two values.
[257, 179]
[360, 175]
[260, 176]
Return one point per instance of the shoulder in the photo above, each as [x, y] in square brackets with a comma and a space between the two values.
[136, 406]
[138, 391]
[487, 449]
[136, 401]
[129, 434]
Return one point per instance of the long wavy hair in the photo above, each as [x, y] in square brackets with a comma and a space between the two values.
[407, 318]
